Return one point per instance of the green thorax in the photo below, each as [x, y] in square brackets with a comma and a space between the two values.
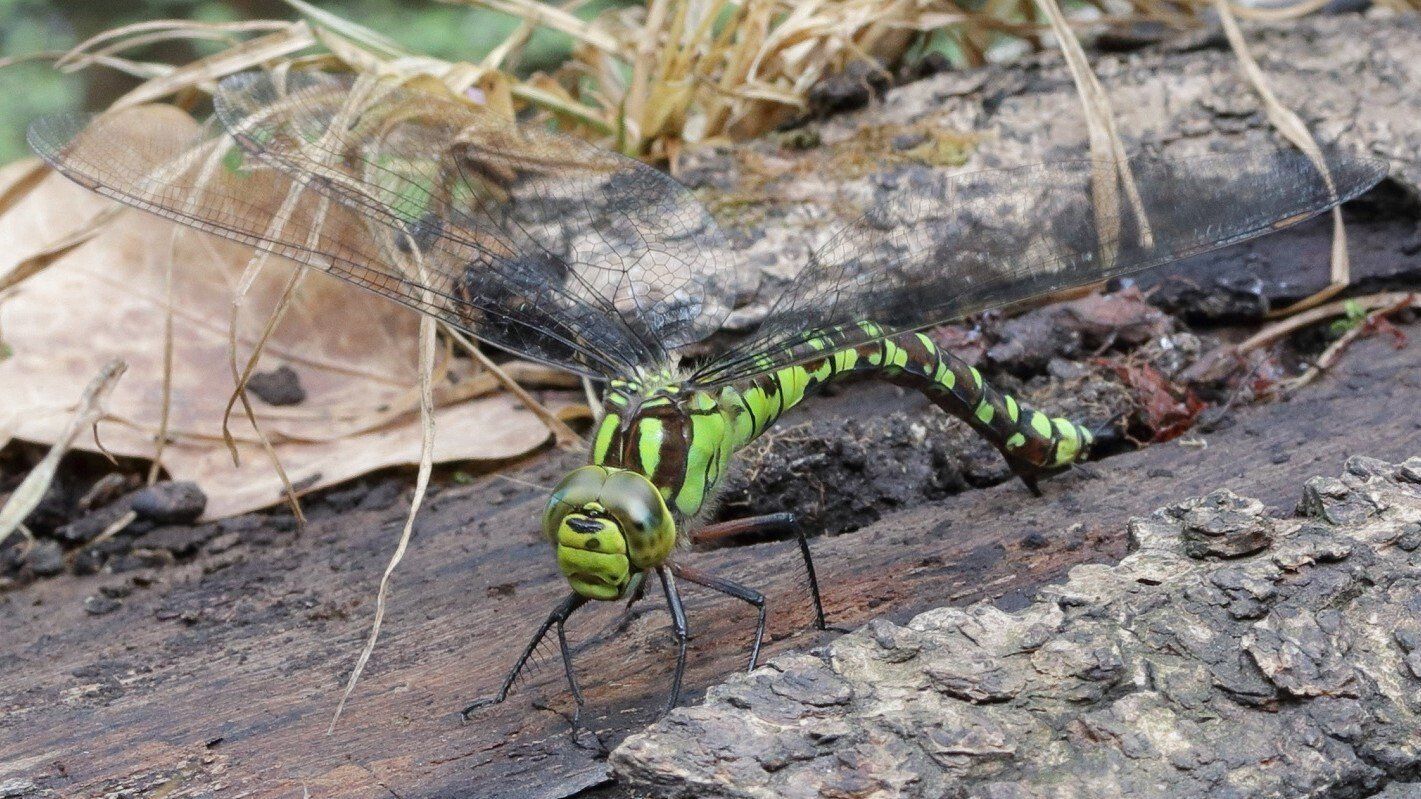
[682, 438]
[679, 438]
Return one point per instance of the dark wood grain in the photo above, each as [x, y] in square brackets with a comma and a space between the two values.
[220, 678]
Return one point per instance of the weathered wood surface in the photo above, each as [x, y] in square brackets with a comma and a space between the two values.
[1349, 77]
[220, 677]
[1237, 651]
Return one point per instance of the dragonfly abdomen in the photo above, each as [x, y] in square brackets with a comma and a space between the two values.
[682, 439]
[1031, 441]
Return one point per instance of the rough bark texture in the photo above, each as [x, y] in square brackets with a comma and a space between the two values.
[1350, 78]
[1292, 671]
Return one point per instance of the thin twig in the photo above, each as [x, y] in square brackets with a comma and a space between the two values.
[427, 341]
[1334, 351]
[564, 435]
[165, 405]
[1294, 130]
[1312, 316]
[90, 409]
[114, 528]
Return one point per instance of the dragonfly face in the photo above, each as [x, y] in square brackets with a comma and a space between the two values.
[607, 525]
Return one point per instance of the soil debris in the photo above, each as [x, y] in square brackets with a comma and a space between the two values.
[175, 502]
[45, 559]
[859, 83]
[280, 387]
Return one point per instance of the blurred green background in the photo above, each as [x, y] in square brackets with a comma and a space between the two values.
[31, 88]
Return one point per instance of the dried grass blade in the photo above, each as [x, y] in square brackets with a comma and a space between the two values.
[115, 527]
[138, 69]
[1105, 145]
[594, 402]
[90, 409]
[1292, 128]
[52, 252]
[166, 404]
[564, 435]
[1330, 356]
[584, 114]
[239, 390]
[296, 37]
[359, 34]
[28, 174]
[111, 41]
[550, 17]
[1280, 13]
[1285, 327]
[427, 330]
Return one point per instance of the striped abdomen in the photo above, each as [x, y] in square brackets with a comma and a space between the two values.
[682, 440]
[1032, 442]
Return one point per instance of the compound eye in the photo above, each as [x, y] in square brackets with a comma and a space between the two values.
[638, 507]
[581, 487]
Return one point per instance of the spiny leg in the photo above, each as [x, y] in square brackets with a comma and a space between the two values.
[678, 625]
[557, 618]
[567, 669]
[736, 590]
[784, 522]
[576, 690]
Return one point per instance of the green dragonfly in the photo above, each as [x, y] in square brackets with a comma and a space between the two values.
[548, 247]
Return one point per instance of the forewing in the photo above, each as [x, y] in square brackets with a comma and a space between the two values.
[154, 158]
[607, 231]
[934, 247]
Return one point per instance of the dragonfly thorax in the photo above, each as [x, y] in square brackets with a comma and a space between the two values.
[677, 437]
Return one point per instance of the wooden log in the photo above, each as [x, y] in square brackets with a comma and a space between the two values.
[218, 676]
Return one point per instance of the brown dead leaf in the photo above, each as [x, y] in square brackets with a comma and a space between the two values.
[41, 213]
[1166, 410]
[354, 354]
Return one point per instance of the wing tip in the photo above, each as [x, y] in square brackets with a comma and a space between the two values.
[49, 136]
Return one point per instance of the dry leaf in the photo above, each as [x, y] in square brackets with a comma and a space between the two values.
[40, 214]
[354, 354]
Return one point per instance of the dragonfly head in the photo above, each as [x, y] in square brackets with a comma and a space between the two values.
[607, 526]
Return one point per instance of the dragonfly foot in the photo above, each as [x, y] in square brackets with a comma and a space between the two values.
[479, 704]
[577, 728]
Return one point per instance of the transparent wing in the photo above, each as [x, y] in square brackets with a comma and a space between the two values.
[933, 247]
[151, 159]
[594, 228]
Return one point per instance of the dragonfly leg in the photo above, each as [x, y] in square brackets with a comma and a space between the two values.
[576, 689]
[784, 522]
[559, 615]
[1028, 477]
[678, 625]
[729, 588]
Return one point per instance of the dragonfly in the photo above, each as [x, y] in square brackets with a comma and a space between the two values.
[550, 248]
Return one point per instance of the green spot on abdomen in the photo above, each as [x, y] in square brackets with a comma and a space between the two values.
[1040, 424]
[985, 412]
[897, 356]
[945, 376]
